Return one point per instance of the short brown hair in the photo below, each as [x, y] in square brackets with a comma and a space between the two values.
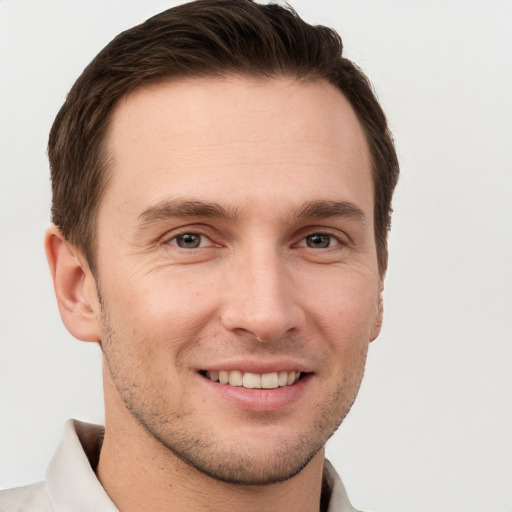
[200, 39]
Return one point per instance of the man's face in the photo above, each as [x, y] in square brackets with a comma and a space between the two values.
[235, 241]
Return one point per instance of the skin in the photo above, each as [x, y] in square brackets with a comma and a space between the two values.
[285, 275]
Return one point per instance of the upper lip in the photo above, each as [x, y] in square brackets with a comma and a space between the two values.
[258, 366]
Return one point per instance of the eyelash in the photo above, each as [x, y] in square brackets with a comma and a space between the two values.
[303, 242]
[202, 238]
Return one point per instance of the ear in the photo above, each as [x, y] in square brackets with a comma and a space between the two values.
[378, 316]
[75, 287]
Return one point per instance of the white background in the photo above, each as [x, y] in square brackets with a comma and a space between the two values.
[431, 430]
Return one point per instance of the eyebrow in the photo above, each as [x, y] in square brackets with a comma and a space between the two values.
[184, 209]
[176, 208]
[324, 209]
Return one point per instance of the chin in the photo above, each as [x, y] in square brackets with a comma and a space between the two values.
[249, 467]
[262, 457]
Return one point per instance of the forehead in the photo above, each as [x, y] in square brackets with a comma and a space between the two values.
[232, 138]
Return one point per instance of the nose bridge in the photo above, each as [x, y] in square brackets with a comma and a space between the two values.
[261, 299]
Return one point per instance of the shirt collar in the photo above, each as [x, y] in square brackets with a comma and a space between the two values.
[70, 479]
[73, 485]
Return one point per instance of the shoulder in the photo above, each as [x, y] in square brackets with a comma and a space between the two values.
[30, 498]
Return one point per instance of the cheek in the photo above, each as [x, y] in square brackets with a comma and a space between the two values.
[346, 306]
[165, 311]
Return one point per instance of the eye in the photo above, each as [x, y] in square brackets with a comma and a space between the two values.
[190, 240]
[319, 241]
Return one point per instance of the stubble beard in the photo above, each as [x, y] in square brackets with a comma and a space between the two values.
[245, 465]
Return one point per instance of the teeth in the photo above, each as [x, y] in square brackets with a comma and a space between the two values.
[235, 378]
[269, 381]
[254, 380]
[251, 381]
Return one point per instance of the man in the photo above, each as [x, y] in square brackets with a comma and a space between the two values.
[222, 181]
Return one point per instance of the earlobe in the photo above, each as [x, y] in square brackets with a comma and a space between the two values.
[75, 287]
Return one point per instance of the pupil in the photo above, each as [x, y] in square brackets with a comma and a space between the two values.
[318, 241]
[189, 241]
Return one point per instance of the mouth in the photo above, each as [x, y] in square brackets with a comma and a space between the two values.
[248, 380]
[276, 388]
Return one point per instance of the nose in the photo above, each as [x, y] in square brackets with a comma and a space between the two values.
[261, 298]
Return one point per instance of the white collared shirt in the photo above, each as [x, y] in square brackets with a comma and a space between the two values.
[72, 486]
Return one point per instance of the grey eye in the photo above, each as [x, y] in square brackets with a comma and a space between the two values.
[318, 241]
[188, 241]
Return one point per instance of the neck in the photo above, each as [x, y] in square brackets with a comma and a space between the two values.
[139, 473]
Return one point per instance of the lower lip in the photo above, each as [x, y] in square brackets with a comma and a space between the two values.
[259, 400]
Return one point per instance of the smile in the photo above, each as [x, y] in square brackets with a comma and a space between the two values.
[254, 380]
